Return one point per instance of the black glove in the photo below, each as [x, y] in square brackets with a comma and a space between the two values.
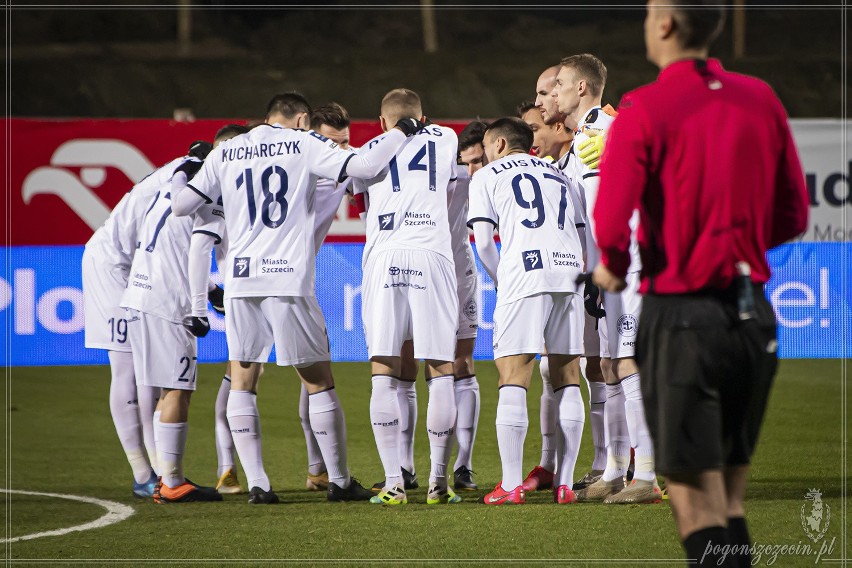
[199, 149]
[591, 299]
[217, 300]
[409, 126]
[190, 168]
[199, 327]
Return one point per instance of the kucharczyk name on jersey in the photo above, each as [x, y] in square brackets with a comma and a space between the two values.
[268, 150]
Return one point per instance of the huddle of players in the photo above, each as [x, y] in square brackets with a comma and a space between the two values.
[419, 286]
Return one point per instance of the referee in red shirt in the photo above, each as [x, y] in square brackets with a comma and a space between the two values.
[707, 158]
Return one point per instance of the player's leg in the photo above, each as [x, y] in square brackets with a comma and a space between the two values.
[386, 326]
[626, 308]
[407, 395]
[541, 476]
[317, 479]
[226, 471]
[467, 387]
[467, 409]
[250, 340]
[124, 408]
[168, 361]
[433, 303]
[590, 367]
[148, 398]
[301, 340]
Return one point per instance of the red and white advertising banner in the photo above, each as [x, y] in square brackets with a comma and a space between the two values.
[66, 175]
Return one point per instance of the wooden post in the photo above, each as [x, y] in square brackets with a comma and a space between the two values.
[184, 27]
[739, 29]
[430, 36]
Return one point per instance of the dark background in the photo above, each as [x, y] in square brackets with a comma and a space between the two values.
[120, 61]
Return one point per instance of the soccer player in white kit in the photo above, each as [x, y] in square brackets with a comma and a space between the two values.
[409, 290]
[266, 180]
[580, 84]
[105, 268]
[157, 299]
[530, 201]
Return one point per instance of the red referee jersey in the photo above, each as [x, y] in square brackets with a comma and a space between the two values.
[707, 157]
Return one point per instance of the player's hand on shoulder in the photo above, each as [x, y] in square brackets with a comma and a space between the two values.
[217, 299]
[409, 126]
[199, 327]
[590, 150]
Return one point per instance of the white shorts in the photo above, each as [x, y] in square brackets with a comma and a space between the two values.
[293, 324]
[164, 352]
[105, 320]
[622, 315]
[527, 325]
[410, 294]
[591, 335]
[468, 287]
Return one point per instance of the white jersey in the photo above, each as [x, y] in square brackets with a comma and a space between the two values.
[408, 199]
[159, 282]
[462, 251]
[589, 179]
[266, 180]
[114, 242]
[529, 201]
[329, 199]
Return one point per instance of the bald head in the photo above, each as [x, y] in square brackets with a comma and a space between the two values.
[400, 103]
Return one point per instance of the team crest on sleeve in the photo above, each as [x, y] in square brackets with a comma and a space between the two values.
[627, 326]
[241, 267]
[386, 222]
[532, 260]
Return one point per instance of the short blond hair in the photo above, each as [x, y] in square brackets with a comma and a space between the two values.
[401, 103]
[589, 68]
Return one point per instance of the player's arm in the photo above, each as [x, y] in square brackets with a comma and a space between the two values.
[792, 204]
[200, 246]
[620, 188]
[483, 234]
[368, 163]
[192, 190]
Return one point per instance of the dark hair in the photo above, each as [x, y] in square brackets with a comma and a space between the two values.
[517, 133]
[589, 68]
[231, 130]
[288, 105]
[524, 108]
[332, 114]
[698, 22]
[472, 134]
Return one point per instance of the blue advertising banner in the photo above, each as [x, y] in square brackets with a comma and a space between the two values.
[41, 304]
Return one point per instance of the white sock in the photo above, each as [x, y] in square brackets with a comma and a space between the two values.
[224, 440]
[329, 428]
[617, 435]
[315, 464]
[153, 458]
[597, 400]
[572, 416]
[244, 420]
[512, 425]
[384, 415]
[124, 408]
[467, 407]
[640, 437]
[441, 425]
[549, 418]
[406, 394]
[171, 444]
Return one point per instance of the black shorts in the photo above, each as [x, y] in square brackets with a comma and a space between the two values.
[705, 378]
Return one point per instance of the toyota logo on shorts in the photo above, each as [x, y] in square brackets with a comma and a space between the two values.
[393, 271]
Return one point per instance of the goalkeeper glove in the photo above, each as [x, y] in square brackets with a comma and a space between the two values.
[199, 327]
[590, 150]
[217, 300]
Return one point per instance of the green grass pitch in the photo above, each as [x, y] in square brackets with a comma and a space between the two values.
[61, 439]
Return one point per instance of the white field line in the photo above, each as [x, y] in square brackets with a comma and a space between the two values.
[116, 512]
